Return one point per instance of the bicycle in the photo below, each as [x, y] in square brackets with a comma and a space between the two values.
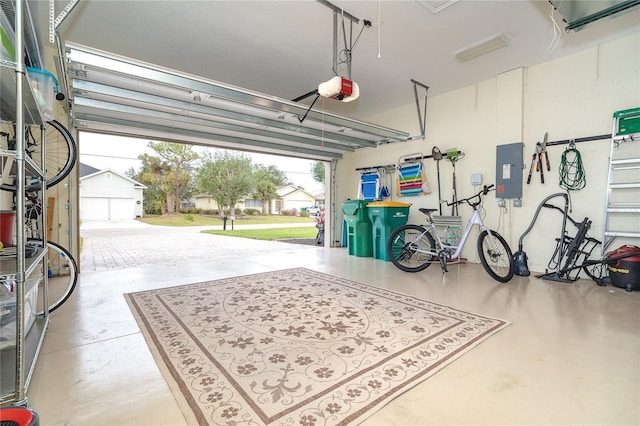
[60, 153]
[413, 248]
[62, 271]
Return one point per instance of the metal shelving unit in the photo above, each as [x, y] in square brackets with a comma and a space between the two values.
[622, 213]
[22, 275]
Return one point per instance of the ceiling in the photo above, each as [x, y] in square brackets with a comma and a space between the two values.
[285, 48]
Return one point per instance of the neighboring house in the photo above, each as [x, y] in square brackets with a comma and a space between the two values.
[109, 195]
[292, 198]
[205, 202]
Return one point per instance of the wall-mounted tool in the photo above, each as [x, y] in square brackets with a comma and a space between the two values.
[453, 155]
[537, 159]
[437, 156]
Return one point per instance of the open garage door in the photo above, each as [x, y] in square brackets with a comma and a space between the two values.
[117, 95]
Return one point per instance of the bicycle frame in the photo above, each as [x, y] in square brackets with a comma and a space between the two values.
[474, 220]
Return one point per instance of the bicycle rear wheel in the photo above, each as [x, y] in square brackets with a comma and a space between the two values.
[495, 256]
[62, 274]
[403, 244]
[60, 154]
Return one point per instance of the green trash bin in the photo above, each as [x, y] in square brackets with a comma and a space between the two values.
[386, 217]
[359, 242]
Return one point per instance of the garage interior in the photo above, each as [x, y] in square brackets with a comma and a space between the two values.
[238, 75]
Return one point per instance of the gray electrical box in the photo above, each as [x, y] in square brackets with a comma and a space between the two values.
[509, 169]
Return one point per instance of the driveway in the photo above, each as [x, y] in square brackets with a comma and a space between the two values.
[108, 245]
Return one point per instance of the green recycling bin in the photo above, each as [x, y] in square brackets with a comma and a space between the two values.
[386, 217]
[359, 242]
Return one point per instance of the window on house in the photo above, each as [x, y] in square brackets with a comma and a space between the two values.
[253, 204]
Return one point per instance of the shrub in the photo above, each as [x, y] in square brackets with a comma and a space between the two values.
[251, 212]
[304, 214]
[289, 212]
[189, 217]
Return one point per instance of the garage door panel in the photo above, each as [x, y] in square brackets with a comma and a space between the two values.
[121, 208]
[94, 208]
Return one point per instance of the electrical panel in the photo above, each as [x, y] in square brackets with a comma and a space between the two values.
[509, 170]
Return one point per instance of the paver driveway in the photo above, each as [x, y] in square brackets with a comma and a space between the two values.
[125, 244]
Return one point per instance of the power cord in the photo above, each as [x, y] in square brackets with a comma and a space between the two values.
[557, 33]
[572, 174]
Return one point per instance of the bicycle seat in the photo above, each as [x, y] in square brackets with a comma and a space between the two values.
[427, 211]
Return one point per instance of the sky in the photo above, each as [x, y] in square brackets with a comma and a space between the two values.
[121, 153]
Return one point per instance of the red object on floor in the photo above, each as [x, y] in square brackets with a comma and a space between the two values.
[18, 417]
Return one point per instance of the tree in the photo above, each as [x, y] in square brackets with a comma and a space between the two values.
[152, 175]
[266, 181]
[317, 170]
[131, 173]
[227, 177]
[168, 174]
[270, 173]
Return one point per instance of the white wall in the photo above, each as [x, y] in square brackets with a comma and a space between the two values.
[107, 185]
[571, 97]
[138, 199]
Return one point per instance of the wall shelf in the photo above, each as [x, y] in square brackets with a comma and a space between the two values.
[22, 329]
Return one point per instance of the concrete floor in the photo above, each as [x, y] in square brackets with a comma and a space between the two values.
[571, 356]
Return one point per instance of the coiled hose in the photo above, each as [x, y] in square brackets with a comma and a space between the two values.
[572, 174]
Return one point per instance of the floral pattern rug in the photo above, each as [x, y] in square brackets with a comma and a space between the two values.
[297, 347]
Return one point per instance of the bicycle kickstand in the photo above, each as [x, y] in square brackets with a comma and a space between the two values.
[443, 261]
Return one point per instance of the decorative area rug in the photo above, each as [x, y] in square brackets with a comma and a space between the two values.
[297, 347]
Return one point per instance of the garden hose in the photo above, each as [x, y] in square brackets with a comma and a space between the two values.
[572, 174]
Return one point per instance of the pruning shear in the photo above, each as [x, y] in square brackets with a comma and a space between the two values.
[541, 150]
[534, 163]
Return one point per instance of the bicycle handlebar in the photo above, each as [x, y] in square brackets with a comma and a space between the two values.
[485, 190]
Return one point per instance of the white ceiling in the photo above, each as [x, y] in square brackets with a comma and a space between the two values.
[285, 48]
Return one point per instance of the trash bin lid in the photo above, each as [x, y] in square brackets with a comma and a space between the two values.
[388, 204]
[351, 207]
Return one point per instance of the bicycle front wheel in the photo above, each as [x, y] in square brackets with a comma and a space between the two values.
[403, 246]
[495, 256]
[62, 274]
[59, 150]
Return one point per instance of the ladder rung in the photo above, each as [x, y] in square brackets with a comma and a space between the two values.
[626, 161]
[624, 185]
[623, 210]
[622, 234]
[618, 169]
[627, 138]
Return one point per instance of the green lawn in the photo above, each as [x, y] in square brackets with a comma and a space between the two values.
[198, 220]
[256, 234]
[268, 234]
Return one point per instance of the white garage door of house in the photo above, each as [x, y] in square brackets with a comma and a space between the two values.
[106, 208]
